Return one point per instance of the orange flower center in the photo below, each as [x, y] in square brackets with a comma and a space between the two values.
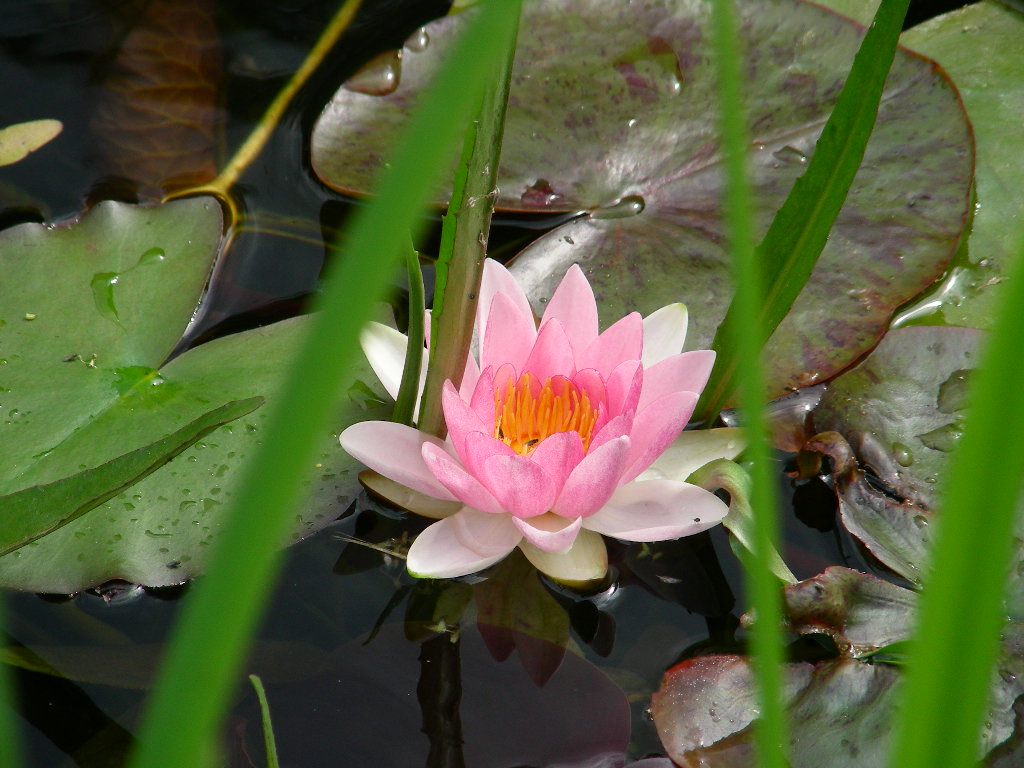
[527, 413]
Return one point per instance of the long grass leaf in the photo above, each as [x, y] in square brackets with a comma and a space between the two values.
[202, 666]
[766, 640]
[797, 234]
[949, 670]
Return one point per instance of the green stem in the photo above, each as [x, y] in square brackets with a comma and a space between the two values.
[464, 246]
[408, 389]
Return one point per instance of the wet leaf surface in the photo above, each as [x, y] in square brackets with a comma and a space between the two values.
[623, 129]
[90, 315]
[979, 46]
[897, 415]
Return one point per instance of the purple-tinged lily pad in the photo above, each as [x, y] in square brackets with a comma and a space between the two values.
[611, 112]
[899, 414]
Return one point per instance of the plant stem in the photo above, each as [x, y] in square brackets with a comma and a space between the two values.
[464, 247]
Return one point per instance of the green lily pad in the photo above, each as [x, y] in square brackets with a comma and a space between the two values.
[899, 414]
[91, 312]
[609, 112]
[980, 47]
[37, 511]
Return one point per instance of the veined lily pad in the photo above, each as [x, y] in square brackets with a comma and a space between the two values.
[610, 111]
[89, 314]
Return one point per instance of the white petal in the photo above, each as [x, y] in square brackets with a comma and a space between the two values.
[406, 498]
[656, 510]
[664, 333]
[395, 451]
[692, 450]
[549, 531]
[466, 542]
[586, 560]
[385, 350]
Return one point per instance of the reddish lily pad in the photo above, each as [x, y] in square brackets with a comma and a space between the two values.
[609, 112]
[899, 413]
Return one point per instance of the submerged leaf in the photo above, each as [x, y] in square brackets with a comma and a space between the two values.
[20, 140]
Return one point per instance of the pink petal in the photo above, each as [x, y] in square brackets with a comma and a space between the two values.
[655, 427]
[406, 498]
[617, 427]
[464, 543]
[623, 341]
[585, 560]
[461, 419]
[395, 451]
[655, 510]
[686, 372]
[510, 334]
[664, 333]
[573, 305]
[523, 488]
[558, 454]
[496, 279]
[479, 448]
[469, 377]
[551, 355]
[624, 386]
[549, 532]
[593, 480]
[454, 477]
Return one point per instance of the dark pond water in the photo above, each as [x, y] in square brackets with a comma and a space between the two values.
[336, 698]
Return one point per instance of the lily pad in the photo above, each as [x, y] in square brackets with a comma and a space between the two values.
[608, 112]
[899, 414]
[841, 707]
[91, 312]
[979, 46]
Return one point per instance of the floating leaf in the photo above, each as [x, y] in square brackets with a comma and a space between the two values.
[624, 130]
[980, 47]
[899, 414]
[90, 313]
[37, 511]
[20, 140]
[157, 107]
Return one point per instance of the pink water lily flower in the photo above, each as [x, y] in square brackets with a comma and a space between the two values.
[551, 436]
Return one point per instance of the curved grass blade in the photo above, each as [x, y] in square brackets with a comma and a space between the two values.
[204, 660]
[33, 512]
[787, 254]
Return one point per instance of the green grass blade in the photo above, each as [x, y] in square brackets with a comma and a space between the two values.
[10, 754]
[202, 666]
[269, 742]
[797, 234]
[961, 612]
[765, 640]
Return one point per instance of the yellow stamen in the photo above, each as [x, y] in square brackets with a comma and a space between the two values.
[522, 419]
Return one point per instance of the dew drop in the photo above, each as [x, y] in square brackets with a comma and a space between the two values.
[377, 77]
[631, 205]
[903, 455]
[418, 40]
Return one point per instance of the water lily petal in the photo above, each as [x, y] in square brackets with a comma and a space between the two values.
[686, 372]
[549, 532]
[469, 377]
[496, 279]
[551, 355]
[623, 340]
[624, 386]
[693, 449]
[653, 510]
[655, 427]
[406, 498]
[573, 305]
[593, 480]
[522, 487]
[586, 560]
[460, 483]
[461, 419]
[664, 333]
[510, 334]
[385, 350]
[558, 454]
[617, 427]
[461, 544]
[479, 448]
[395, 451]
